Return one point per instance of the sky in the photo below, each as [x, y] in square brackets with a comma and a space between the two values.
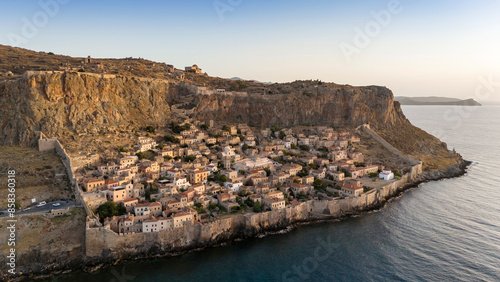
[415, 48]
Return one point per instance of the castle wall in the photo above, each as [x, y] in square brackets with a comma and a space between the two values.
[366, 128]
[106, 244]
[45, 144]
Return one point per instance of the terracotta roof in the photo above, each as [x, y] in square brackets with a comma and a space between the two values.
[150, 219]
[130, 200]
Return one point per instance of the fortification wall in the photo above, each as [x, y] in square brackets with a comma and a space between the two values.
[45, 144]
[366, 128]
[106, 244]
[103, 243]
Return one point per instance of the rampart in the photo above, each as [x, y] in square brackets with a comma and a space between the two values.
[47, 144]
[103, 243]
[366, 129]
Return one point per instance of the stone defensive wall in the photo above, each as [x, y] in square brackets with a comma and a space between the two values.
[29, 74]
[366, 129]
[102, 243]
[47, 144]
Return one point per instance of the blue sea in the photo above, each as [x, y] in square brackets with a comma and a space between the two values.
[446, 230]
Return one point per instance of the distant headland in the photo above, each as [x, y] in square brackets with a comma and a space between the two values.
[435, 101]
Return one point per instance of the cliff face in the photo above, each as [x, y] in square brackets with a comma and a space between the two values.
[69, 103]
[340, 106]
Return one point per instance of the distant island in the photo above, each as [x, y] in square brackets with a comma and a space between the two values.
[435, 101]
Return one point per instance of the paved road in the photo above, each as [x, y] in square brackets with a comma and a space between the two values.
[46, 208]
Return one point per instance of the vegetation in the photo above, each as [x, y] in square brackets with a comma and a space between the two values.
[122, 149]
[189, 158]
[238, 85]
[313, 166]
[275, 128]
[149, 155]
[257, 207]
[150, 129]
[268, 171]
[171, 139]
[199, 209]
[219, 178]
[318, 184]
[304, 147]
[302, 196]
[110, 209]
[179, 128]
[303, 172]
[347, 174]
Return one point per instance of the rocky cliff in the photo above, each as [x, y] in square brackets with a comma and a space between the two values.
[306, 104]
[62, 103]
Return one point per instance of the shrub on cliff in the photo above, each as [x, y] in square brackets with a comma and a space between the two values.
[238, 85]
[150, 129]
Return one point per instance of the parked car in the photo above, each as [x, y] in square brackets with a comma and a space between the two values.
[56, 204]
[41, 204]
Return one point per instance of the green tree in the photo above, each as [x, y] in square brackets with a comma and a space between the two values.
[275, 128]
[110, 209]
[319, 184]
[204, 126]
[302, 196]
[150, 129]
[256, 207]
[303, 172]
[313, 166]
[171, 139]
[249, 202]
[268, 171]
[189, 158]
[304, 147]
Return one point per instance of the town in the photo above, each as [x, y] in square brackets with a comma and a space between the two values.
[202, 172]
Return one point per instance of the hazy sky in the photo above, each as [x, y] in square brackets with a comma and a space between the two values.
[416, 48]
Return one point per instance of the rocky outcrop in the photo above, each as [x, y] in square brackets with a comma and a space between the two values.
[61, 103]
[325, 104]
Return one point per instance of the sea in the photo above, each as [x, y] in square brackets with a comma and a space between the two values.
[447, 230]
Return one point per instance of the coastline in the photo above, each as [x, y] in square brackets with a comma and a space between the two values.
[92, 265]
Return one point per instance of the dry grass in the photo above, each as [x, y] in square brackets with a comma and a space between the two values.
[39, 231]
[35, 175]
